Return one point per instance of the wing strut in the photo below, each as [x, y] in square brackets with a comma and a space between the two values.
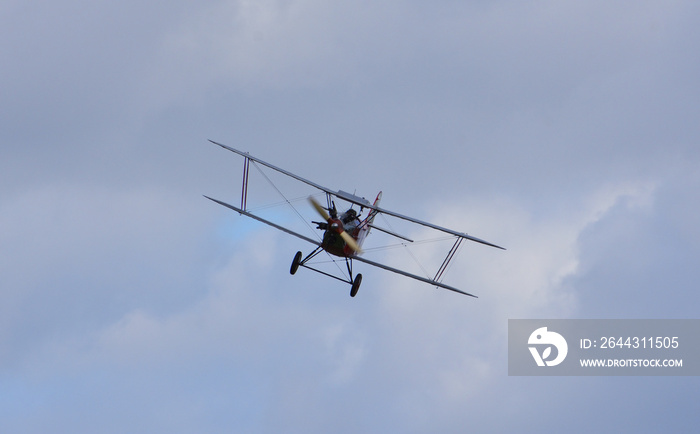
[448, 258]
[244, 189]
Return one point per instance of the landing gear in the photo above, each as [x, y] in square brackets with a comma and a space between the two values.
[295, 263]
[355, 285]
[299, 262]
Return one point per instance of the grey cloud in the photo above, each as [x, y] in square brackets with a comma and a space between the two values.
[565, 132]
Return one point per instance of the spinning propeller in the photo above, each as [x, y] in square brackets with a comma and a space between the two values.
[336, 225]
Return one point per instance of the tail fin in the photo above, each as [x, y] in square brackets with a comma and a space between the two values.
[373, 213]
[366, 224]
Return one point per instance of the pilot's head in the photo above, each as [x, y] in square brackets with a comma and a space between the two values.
[349, 215]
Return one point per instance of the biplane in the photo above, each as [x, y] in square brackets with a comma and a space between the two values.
[343, 234]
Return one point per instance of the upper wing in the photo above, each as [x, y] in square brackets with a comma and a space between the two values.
[290, 174]
[358, 200]
[344, 196]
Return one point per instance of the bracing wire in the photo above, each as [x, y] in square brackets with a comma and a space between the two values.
[276, 204]
[404, 244]
[288, 202]
[407, 249]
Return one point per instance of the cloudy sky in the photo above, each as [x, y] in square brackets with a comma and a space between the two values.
[565, 131]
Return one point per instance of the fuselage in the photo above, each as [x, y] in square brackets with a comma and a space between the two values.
[358, 229]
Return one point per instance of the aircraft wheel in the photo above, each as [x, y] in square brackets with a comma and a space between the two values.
[295, 263]
[356, 285]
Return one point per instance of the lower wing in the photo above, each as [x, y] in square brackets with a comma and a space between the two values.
[366, 261]
[267, 222]
[412, 276]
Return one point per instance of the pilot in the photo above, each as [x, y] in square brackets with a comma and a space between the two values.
[349, 216]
